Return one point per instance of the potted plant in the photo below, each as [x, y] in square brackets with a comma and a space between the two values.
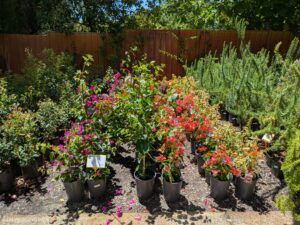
[6, 172]
[222, 170]
[171, 152]
[246, 161]
[20, 129]
[138, 115]
[69, 161]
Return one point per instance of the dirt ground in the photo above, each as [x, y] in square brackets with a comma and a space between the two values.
[46, 195]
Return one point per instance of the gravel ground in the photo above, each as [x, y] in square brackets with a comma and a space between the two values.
[46, 195]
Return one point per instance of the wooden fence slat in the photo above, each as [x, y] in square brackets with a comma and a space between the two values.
[151, 42]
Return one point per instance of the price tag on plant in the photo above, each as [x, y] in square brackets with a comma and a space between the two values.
[96, 161]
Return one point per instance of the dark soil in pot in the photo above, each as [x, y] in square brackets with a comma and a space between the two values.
[96, 188]
[74, 190]
[223, 112]
[171, 190]
[234, 120]
[255, 126]
[218, 189]
[31, 171]
[144, 187]
[244, 190]
[7, 180]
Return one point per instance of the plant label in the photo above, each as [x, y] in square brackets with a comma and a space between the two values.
[267, 138]
[96, 161]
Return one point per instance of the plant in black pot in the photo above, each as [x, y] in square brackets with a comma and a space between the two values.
[136, 112]
[246, 161]
[20, 129]
[222, 170]
[69, 161]
[171, 153]
[6, 172]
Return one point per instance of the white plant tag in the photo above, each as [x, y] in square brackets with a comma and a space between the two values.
[267, 138]
[96, 161]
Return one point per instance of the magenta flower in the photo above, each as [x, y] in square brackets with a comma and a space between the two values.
[109, 203]
[138, 217]
[85, 151]
[94, 98]
[112, 141]
[104, 209]
[107, 222]
[132, 201]
[87, 137]
[119, 191]
[119, 211]
[88, 103]
[80, 129]
[92, 88]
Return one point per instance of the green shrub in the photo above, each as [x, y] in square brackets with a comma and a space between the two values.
[49, 76]
[249, 84]
[6, 101]
[20, 131]
[51, 118]
[291, 170]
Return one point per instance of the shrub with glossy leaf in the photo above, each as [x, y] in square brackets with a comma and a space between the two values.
[51, 118]
[20, 131]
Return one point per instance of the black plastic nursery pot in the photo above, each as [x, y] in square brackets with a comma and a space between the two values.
[171, 190]
[74, 190]
[193, 146]
[274, 161]
[144, 188]
[31, 171]
[268, 159]
[207, 177]
[218, 188]
[244, 190]
[276, 169]
[96, 188]
[200, 163]
[233, 119]
[6, 180]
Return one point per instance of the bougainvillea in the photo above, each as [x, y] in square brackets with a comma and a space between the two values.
[81, 140]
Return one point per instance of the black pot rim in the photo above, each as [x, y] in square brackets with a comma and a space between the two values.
[65, 182]
[173, 182]
[255, 178]
[219, 179]
[96, 179]
[136, 177]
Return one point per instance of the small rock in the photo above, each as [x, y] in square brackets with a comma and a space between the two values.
[94, 208]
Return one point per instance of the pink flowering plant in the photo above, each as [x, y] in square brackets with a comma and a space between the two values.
[80, 141]
[138, 118]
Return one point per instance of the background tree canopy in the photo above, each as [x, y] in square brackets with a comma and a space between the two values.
[38, 16]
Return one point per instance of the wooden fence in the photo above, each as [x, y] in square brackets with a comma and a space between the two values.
[158, 44]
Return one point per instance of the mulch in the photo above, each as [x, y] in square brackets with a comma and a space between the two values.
[47, 195]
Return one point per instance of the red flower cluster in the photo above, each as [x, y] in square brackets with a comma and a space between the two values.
[221, 165]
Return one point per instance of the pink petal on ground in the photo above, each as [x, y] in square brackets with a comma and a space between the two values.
[138, 217]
